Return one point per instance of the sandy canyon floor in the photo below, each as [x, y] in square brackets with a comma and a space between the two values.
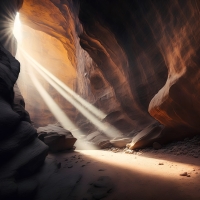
[100, 174]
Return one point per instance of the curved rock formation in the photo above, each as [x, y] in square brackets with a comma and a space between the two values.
[107, 78]
[135, 48]
[128, 58]
[158, 41]
[176, 105]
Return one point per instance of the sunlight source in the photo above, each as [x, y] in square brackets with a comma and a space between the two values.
[17, 28]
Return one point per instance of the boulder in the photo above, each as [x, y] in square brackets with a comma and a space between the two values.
[56, 137]
[147, 136]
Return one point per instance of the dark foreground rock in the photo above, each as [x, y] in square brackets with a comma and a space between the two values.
[21, 152]
[19, 105]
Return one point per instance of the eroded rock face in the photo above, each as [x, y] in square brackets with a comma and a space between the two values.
[157, 41]
[103, 80]
[139, 57]
[49, 53]
[120, 41]
[176, 105]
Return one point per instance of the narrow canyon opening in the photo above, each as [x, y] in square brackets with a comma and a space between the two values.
[99, 99]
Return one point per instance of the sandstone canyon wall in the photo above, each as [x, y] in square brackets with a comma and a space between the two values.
[130, 58]
[161, 43]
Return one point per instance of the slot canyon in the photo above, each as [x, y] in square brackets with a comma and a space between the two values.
[99, 99]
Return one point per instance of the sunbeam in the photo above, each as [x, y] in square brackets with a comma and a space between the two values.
[106, 128]
[60, 115]
[93, 114]
[99, 114]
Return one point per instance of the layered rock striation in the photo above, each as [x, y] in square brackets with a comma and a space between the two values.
[136, 60]
[160, 42]
[21, 153]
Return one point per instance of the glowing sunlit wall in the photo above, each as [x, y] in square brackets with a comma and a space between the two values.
[50, 53]
[55, 81]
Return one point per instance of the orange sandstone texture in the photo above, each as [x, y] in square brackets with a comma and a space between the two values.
[58, 21]
[160, 41]
[176, 105]
[130, 58]
[49, 53]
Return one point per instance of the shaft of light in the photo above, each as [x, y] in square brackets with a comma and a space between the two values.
[106, 128]
[98, 113]
[60, 115]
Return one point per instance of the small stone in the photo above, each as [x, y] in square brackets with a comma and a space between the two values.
[83, 166]
[129, 151]
[161, 164]
[101, 170]
[70, 166]
[184, 174]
